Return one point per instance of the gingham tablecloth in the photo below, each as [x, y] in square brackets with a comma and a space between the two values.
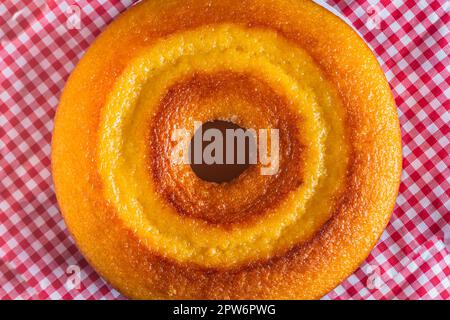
[41, 42]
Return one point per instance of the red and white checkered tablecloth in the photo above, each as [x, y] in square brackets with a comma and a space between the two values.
[41, 42]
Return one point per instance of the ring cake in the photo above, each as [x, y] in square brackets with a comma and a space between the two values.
[153, 228]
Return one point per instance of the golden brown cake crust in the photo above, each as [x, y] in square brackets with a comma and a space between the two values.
[307, 269]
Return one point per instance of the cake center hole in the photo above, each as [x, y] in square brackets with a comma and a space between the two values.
[219, 151]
